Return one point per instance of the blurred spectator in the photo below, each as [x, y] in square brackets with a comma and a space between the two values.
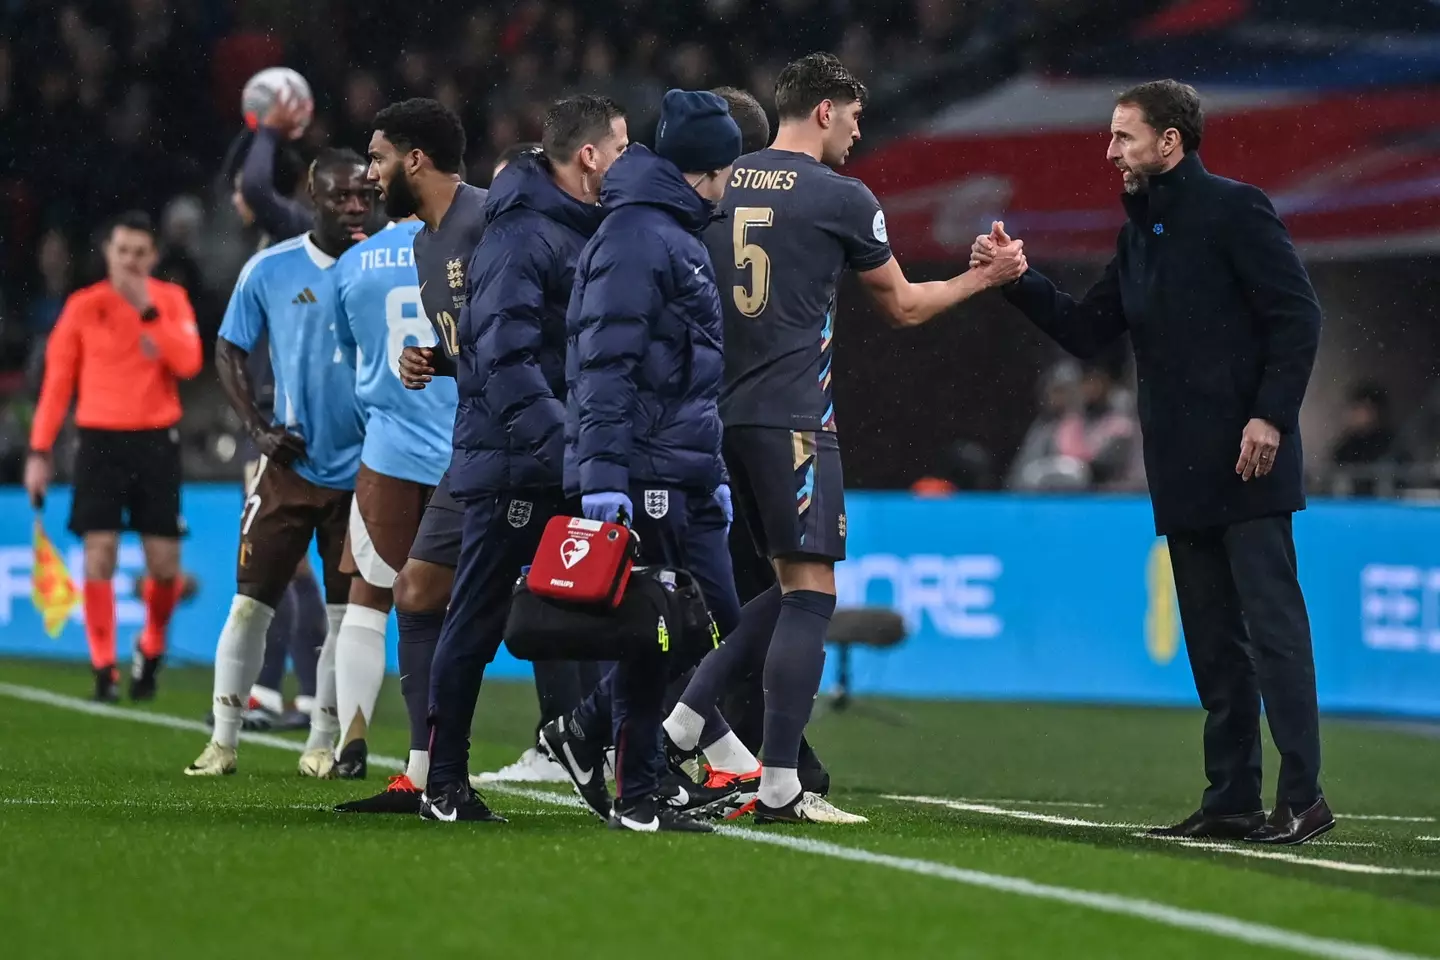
[132, 103]
[965, 465]
[1367, 437]
[182, 228]
[55, 271]
[1037, 464]
[1366, 433]
[1086, 437]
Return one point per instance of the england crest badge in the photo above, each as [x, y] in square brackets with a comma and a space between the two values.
[519, 513]
[657, 503]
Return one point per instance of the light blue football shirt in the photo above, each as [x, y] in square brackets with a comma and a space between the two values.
[407, 432]
[288, 292]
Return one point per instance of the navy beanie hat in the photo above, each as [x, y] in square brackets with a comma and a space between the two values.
[696, 132]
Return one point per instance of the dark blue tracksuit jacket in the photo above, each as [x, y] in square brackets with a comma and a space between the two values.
[643, 369]
[644, 362]
[511, 370]
[509, 429]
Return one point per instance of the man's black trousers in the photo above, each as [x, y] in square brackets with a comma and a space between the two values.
[1248, 638]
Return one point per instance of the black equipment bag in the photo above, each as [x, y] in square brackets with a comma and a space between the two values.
[663, 612]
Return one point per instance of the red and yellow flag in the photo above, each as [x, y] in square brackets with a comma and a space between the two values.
[51, 589]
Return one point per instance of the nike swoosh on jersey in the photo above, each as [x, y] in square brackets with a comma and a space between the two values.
[581, 773]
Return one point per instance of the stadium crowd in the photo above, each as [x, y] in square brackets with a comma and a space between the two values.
[112, 106]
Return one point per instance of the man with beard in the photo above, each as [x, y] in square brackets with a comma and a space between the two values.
[310, 450]
[1225, 325]
[416, 152]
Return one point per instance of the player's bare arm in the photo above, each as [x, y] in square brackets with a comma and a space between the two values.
[909, 304]
[272, 440]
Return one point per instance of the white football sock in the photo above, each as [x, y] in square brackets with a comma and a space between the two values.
[238, 657]
[684, 727]
[418, 769]
[359, 669]
[304, 704]
[730, 755]
[779, 786]
[271, 700]
[324, 720]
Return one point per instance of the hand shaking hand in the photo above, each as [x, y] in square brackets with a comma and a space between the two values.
[998, 258]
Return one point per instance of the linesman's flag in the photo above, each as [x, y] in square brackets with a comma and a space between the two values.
[51, 589]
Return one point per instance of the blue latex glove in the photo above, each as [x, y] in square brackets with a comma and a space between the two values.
[606, 506]
[727, 506]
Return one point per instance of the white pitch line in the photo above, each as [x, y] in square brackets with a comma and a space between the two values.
[150, 804]
[1196, 921]
[1342, 866]
[1063, 804]
[1428, 838]
[1378, 816]
[995, 811]
[954, 801]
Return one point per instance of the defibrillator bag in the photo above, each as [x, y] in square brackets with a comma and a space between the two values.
[661, 611]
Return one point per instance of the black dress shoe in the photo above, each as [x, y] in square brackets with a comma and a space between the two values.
[1206, 826]
[1288, 827]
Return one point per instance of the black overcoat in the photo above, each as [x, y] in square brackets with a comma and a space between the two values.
[1225, 325]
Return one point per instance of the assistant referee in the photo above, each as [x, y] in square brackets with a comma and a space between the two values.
[120, 348]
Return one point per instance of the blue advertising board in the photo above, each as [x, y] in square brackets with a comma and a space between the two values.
[1043, 598]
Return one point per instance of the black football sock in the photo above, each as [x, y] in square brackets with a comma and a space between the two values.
[307, 635]
[792, 674]
[419, 633]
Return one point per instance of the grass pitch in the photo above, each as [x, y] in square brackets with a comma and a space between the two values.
[998, 830]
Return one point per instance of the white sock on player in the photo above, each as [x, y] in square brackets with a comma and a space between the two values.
[359, 669]
[324, 719]
[779, 786]
[418, 769]
[684, 727]
[238, 657]
[730, 755]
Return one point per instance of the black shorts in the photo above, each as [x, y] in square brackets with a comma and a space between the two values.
[128, 480]
[789, 490]
[283, 512]
[438, 539]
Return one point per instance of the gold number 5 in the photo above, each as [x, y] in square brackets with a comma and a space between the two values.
[752, 302]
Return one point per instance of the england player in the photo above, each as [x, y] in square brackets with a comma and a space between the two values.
[406, 451]
[416, 152]
[310, 450]
[796, 225]
[509, 424]
[730, 761]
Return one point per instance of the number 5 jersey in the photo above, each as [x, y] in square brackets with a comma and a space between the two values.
[793, 226]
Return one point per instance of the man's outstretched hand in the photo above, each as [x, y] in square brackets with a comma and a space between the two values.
[997, 257]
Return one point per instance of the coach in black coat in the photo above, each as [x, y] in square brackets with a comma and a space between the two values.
[1225, 325]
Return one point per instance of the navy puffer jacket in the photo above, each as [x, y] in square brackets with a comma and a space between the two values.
[644, 361]
[509, 424]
